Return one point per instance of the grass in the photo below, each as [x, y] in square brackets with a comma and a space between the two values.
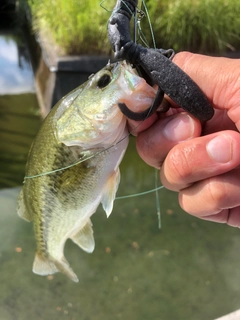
[80, 27]
[206, 26]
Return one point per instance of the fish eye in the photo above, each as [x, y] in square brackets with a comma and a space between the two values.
[104, 80]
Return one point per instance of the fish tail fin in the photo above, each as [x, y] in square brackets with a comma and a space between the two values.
[44, 266]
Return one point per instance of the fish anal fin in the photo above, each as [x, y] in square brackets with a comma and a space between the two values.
[84, 238]
[45, 266]
[21, 208]
[110, 190]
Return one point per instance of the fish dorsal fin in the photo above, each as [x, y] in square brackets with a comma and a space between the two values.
[84, 238]
[21, 208]
[109, 192]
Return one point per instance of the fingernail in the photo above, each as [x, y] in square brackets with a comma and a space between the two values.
[179, 128]
[220, 149]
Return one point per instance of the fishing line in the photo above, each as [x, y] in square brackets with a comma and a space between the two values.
[150, 24]
[61, 169]
[101, 5]
[82, 160]
[141, 15]
[142, 37]
[157, 199]
[140, 194]
[158, 206]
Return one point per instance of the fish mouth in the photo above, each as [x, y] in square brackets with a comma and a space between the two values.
[139, 94]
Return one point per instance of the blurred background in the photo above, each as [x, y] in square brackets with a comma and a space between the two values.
[190, 269]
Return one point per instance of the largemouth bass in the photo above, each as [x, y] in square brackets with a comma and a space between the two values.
[73, 163]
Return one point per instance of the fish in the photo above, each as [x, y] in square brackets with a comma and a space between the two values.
[73, 163]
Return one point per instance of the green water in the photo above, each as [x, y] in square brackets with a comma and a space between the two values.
[190, 269]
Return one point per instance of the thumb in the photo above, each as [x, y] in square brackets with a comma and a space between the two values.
[218, 77]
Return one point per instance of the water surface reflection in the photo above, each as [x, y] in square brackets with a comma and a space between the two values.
[19, 112]
[16, 74]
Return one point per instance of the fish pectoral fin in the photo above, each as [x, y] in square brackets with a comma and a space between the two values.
[21, 208]
[84, 238]
[44, 266]
[109, 192]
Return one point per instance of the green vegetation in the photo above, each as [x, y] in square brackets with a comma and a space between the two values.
[198, 25]
[77, 26]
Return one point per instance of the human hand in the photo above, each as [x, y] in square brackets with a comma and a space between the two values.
[201, 163]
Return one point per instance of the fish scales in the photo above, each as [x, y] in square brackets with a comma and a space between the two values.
[85, 125]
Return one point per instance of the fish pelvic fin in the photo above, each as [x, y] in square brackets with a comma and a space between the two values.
[45, 266]
[84, 238]
[21, 208]
[109, 192]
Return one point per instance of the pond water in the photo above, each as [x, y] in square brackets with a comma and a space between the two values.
[190, 269]
[19, 113]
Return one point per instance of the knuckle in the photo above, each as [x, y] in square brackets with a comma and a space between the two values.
[217, 192]
[179, 165]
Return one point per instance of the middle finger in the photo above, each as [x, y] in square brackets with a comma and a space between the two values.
[200, 158]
